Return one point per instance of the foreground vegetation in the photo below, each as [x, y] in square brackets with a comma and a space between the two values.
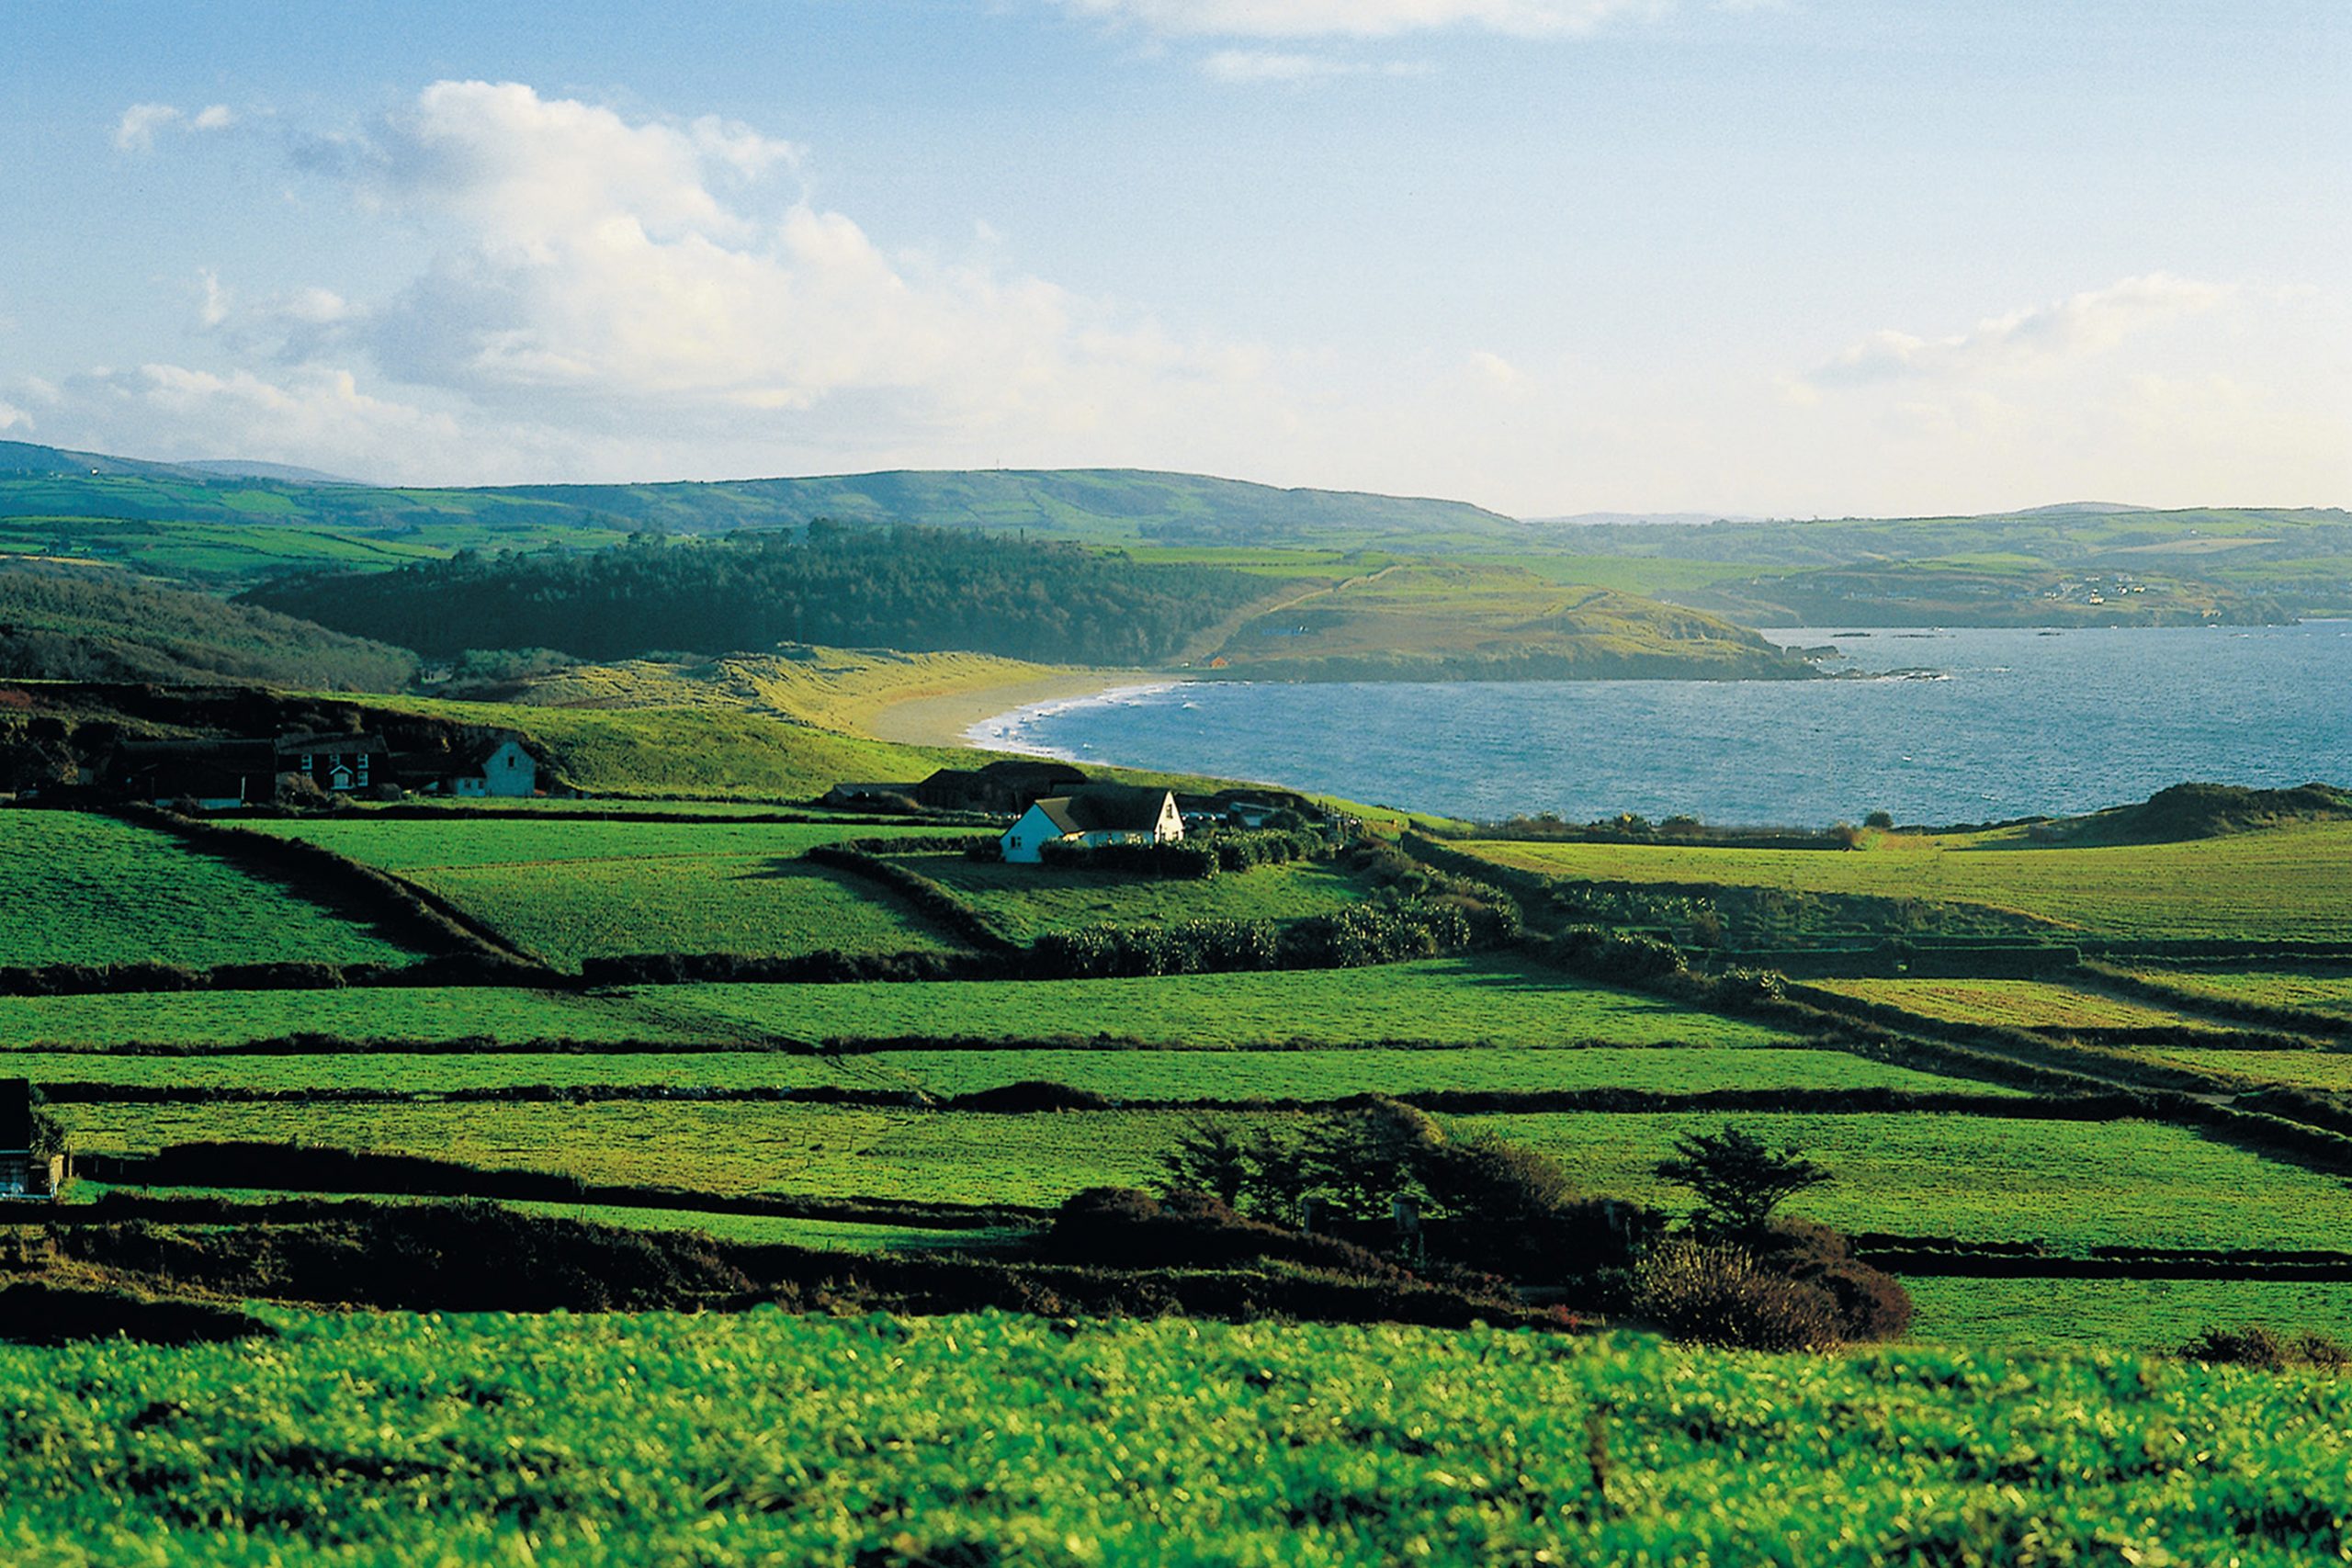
[1002, 1439]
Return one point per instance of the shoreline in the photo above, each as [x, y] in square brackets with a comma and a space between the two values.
[948, 718]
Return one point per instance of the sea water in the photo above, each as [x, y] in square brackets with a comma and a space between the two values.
[1944, 726]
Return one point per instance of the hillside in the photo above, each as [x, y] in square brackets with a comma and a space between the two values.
[63, 625]
[1441, 621]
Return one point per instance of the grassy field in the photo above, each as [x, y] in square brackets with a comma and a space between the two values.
[1467, 1002]
[2295, 1069]
[2134, 1315]
[2069, 1184]
[574, 890]
[2014, 1004]
[1003, 1440]
[2311, 990]
[1027, 901]
[1122, 1075]
[2282, 884]
[1454, 1001]
[83, 890]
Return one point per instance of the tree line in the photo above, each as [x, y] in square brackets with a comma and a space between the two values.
[923, 590]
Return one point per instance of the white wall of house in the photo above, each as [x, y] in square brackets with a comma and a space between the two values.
[510, 771]
[1024, 839]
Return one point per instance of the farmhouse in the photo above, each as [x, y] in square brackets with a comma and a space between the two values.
[490, 763]
[1106, 814]
[222, 774]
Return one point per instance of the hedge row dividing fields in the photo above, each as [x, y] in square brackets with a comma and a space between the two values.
[2065, 1183]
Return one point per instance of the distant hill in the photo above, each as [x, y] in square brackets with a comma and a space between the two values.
[57, 623]
[243, 469]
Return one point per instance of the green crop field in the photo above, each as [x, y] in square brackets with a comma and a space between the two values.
[762, 1437]
[2314, 991]
[2070, 1184]
[2131, 1315]
[1465, 1001]
[77, 888]
[1027, 901]
[2015, 1004]
[2295, 1069]
[571, 890]
[1312, 1075]
[2279, 884]
[1469, 1000]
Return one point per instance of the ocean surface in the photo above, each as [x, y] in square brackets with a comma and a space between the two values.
[1936, 726]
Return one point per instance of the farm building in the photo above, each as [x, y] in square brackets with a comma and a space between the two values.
[1106, 814]
[222, 774]
[19, 1176]
[494, 763]
[1007, 785]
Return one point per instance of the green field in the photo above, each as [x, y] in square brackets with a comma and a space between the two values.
[569, 890]
[2295, 1069]
[2312, 991]
[1465, 1001]
[2067, 1183]
[1027, 901]
[2277, 884]
[2133, 1315]
[1311, 1074]
[2011, 1004]
[372, 1440]
[77, 888]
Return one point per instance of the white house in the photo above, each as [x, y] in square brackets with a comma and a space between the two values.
[499, 767]
[1106, 815]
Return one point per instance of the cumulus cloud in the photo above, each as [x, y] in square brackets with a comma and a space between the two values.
[1362, 18]
[2077, 327]
[135, 131]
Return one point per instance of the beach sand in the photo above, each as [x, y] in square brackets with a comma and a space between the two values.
[942, 720]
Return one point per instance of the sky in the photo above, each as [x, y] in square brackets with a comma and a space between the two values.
[1771, 257]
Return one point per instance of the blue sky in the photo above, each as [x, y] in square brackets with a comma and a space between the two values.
[1813, 257]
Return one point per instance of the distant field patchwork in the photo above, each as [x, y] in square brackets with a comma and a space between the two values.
[1467, 1002]
[569, 890]
[2015, 1004]
[77, 888]
[1027, 901]
[2283, 884]
[2312, 990]
[2070, 1184]
[1311, 1074]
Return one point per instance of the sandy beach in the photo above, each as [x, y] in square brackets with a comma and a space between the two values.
[943, 719]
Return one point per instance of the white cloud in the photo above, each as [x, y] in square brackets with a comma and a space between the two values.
[135, 132]
[14, 418]
[1363, 18]
[215, 308]
[2078, 327]
[1254, 65]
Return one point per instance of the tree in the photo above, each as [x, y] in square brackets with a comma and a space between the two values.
[1209, 1157]
[1739, 1177]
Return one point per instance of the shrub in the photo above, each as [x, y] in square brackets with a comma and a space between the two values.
[1739, 1178]
[1721, 1295]
[2258, 1345]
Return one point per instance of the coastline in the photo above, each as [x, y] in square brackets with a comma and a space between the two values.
[948, 718]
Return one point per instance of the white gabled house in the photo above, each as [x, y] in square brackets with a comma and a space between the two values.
[1105, 814]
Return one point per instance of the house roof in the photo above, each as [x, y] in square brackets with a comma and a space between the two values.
[1107, 808]
[349, 743]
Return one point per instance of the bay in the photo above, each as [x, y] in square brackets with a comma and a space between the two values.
[1938, 727]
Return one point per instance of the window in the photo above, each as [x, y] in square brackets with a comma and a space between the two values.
[306, 760]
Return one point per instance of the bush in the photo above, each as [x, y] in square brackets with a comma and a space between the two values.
[1119, 1228]
[1721, 1295]
[2258, 1345]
